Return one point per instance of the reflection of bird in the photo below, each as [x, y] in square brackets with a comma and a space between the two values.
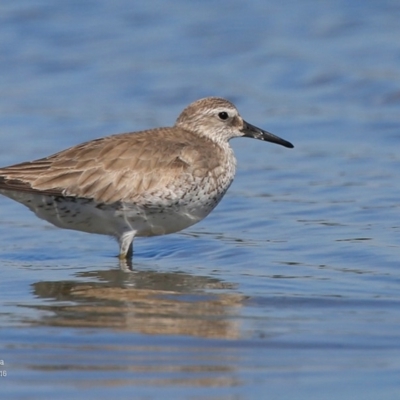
[137, 184]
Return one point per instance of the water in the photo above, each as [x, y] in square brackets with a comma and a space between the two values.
[290, 288]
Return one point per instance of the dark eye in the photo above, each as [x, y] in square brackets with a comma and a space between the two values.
[223, 115]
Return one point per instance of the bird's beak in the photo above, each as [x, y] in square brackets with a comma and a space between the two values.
[257, 133]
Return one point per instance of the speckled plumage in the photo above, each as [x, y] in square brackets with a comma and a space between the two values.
[137, 184]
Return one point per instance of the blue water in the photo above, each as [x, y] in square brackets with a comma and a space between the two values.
[290, 288]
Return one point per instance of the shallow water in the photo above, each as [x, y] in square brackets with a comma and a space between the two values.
[290, 288]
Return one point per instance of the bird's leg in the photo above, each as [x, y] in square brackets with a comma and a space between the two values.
[129, 253]
[126, 245]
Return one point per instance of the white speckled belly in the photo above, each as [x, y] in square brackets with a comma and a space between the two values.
[155, 216]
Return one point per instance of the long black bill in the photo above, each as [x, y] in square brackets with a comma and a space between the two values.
[257, 133]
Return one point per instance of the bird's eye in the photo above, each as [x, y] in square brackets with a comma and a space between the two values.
[223, 115]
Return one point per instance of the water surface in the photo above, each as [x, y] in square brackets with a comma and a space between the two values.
[290, 288]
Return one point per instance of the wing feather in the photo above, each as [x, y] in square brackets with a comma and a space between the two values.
[120, 167]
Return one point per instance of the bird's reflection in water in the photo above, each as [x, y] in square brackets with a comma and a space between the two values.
[147, 302]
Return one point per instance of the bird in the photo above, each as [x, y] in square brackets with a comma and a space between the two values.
[145, 183]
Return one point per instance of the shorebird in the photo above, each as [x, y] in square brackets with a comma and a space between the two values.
[145, 183]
